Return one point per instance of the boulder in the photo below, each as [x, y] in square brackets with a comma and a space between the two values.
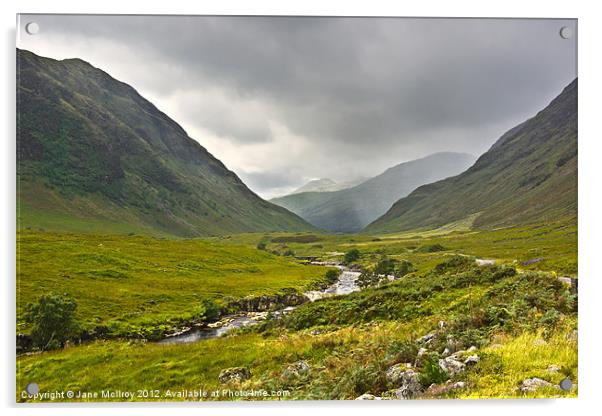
[472, 360]
[368, 396]
[237, 374]
[451, 366]
[532, 384]
[407, 380]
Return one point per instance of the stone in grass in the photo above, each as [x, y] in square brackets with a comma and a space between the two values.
[407, 380]
[532, 384]
[426, 339]
[296, 369]
[451, 366]
[368, 396]
[237, 374]
[440, 389]
[553, 368]
[472, 360]
[395, 373]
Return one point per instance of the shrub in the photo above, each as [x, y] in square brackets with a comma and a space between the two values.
[210, 310]
[402, 351]
[332, 275]
[455, 263]
[351, 256]
[52, 320]
[431, 248]
[261, 245]
[385, 266]
[404, 268]
[432, 373]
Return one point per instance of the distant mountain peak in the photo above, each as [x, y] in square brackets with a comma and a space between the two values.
[327, 185]
[350, 209]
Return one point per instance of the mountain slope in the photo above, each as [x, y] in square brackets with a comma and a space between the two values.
[94, 154]
[529, 175]
[325, 185]
[351, 209]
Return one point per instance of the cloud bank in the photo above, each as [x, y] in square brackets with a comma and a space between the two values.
[285, 100]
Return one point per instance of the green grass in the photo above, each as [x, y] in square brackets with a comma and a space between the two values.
[126, 281]
[555, 242]
[510, 360]
[349, 341]
[358, 337]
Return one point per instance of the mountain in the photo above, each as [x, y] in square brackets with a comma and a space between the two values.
[350, 210]
[326, 185]
[95, 155]
[528, 176]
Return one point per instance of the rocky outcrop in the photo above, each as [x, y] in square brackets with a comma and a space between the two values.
[408, 381]
[451, 365]
[236, 374]
[266, 303]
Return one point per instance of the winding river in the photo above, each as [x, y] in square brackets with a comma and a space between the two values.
[345, 284]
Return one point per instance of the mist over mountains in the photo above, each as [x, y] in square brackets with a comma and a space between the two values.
[349, 210]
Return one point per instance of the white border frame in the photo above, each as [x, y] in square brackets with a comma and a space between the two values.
[590, 151]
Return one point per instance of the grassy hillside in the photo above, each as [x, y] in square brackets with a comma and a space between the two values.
[91, 150]
[529, 175]
[553, 245]
[520, 323]
[349, 210]
[130, 283]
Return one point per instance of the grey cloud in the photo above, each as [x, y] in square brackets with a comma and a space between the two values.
[356, 86]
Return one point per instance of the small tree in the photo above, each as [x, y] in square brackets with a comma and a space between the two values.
[52, 320]
[351, 256]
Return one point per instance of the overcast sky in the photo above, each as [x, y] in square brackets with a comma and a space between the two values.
[282, 101]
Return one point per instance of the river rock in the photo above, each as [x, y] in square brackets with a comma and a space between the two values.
[532, 384]
[237, 374]
[451, 365]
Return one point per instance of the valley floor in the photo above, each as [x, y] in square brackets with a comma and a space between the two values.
[414, 337]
